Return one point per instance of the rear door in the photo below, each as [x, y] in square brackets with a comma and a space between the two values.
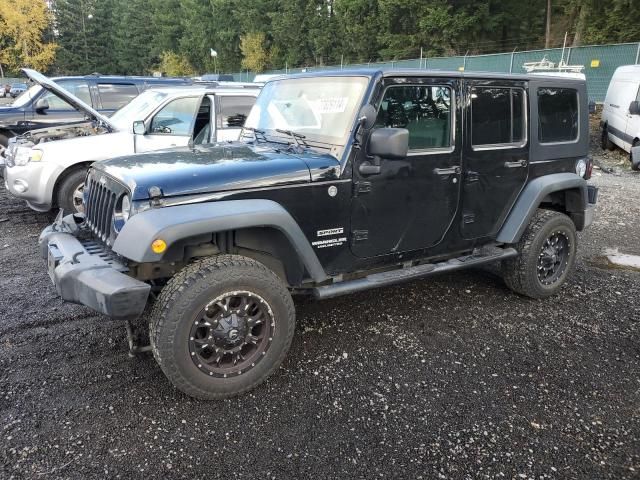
[496, 153]
[231, 113]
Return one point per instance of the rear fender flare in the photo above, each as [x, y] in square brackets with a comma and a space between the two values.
[533, 195]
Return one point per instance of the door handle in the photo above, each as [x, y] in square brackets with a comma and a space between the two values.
[447, 171]
[516, 164]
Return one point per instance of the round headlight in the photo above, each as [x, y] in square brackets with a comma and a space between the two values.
[581, 167]
[125, 207]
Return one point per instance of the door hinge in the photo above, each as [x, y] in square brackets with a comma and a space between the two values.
[362, 187]
[360, 236]
[468, 218]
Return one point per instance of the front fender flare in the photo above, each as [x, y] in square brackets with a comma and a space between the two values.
[172, 224]
[531, 197]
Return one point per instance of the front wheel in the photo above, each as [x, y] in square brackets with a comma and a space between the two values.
[547, 254]
[69, 196]
[221, 326]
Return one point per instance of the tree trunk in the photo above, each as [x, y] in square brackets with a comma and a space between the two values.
[547, 37]
[580, 26]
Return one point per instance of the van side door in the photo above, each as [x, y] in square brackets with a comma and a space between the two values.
[495, 155]
[633, 122]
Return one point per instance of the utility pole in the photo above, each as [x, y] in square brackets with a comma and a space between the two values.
[547, 37]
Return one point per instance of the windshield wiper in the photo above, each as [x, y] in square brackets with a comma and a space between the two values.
[297, 137]
[256, 132]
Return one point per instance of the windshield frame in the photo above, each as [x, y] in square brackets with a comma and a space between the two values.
[312, 138]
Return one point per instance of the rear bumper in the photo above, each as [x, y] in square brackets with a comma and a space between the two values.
[82, 273]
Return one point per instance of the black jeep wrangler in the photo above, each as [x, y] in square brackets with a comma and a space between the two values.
[341, 182]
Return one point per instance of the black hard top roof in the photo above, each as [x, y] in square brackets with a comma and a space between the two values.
[416, 72]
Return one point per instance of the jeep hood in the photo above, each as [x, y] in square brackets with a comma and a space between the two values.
[216, 168]
[71, 99]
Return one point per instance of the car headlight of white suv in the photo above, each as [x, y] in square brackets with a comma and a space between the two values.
[24, 155]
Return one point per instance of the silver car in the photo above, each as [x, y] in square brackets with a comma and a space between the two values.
[47, 167]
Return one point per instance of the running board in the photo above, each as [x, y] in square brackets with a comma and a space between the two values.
[392, 277]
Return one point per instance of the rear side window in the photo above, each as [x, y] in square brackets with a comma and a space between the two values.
[423, 110]
[498, 117]
[557, 115]
[234, 111]
[116, 95]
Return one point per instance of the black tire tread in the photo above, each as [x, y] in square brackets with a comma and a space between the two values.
[514, 271]
[64, 184]
[179, 286]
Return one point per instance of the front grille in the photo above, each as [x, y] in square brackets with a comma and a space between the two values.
[100, 200]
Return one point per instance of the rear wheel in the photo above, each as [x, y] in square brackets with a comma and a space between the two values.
[221, 326]
[70, 189]
[547, 256]
[605, 142]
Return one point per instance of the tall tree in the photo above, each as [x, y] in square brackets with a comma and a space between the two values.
[23, 26]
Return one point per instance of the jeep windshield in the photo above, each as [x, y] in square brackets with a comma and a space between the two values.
[320, 108]
[137, 109]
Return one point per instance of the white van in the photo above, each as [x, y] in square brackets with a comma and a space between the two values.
[621, 113]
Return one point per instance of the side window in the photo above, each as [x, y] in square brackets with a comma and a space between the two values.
[557, 115]
[234, 111]
[115, 95]
[498, 116]
[78, 88]
[423, 110]
[176, 117]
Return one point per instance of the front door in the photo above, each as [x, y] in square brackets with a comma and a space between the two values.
[171, 126]
[496, 154]
[411, 203]
[633, 123]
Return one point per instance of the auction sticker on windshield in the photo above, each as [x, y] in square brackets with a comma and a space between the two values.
[332, 104]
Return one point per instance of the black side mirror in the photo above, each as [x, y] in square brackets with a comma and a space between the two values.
[634, 108]
[139, 128]
[42, 105]
[389, 143]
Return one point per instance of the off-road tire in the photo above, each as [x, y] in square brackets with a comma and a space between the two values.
[66, 189]
[605, 142]
[521, 273]
[187, 293]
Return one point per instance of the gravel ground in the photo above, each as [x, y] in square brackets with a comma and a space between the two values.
[451, 377]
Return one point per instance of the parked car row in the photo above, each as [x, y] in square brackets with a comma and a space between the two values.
[338, 182]
[46, 167]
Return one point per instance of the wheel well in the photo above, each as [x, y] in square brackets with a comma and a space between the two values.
[564, 201]
[72, 169]
[267, 245]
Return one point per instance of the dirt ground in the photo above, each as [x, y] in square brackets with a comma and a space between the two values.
[450, 377]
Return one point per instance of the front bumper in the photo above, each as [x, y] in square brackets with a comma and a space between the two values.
[84, 273]
[30, 182]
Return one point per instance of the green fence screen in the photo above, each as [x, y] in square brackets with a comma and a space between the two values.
[599, 61]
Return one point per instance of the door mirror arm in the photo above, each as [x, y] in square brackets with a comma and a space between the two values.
[370, 167]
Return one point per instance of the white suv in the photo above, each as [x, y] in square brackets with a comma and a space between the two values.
[621, 113]
[47, 167]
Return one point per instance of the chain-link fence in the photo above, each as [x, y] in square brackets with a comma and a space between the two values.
[599, 62]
